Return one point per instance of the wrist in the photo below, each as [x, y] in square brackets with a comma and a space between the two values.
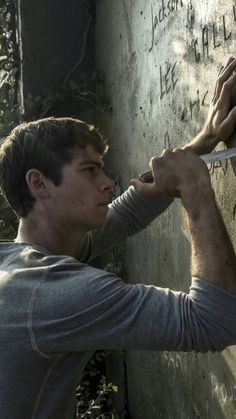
[204, 142]
[198, 200]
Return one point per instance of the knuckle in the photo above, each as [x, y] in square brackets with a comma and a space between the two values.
[154, 161]
[215, 106]
[220, 71]
[177, 150]
[188, 150]
[166, 153]
[232, 115]
[226, 85]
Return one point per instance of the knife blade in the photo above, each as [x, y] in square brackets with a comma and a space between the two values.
[146, 177]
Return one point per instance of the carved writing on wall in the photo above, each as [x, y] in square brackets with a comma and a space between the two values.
[168, 79]
[219, 165]
[161, 14]
[194, 106]
[214, 35]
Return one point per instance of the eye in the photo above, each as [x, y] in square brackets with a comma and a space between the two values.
[91, 169]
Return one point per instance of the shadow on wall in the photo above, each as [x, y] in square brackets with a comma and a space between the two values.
[181, 386]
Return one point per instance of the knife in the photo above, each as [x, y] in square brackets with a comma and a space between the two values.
[146, 177]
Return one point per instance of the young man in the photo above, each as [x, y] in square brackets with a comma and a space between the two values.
[55, 309]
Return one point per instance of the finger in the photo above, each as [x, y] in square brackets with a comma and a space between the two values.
[188, 151]
[229, 61]
[228, 126]
[178, 150]
[216, 86]
[224, 75]
[220, 71]
[135, 182]
[154, 159]
[228, 70]
[166, 152]
[158, 161]
[144, 188]
[225, 67]
[226, 92]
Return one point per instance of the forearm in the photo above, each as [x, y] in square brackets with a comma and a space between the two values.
[213, 257]
[203, 143]
[128, 214]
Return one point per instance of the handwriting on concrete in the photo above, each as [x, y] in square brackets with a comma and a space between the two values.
[213, 36]
[168, 79]
[221, 165]
[223, 391]
[194, 106]
[175, 361]
[161, 14]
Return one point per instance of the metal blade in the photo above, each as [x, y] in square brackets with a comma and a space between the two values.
[146, 177]
[219, 155]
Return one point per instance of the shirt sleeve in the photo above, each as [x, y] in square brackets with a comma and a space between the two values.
[91, 309]
[127, 215]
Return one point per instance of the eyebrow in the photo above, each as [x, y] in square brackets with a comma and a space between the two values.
[91, 162]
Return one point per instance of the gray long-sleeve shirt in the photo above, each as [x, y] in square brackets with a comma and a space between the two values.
[55, 311]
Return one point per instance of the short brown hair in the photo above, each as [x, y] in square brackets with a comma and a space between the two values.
[46, 144]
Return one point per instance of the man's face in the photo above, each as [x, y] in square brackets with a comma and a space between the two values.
[81, 200]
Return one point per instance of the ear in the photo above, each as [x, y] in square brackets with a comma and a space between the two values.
[37, 183]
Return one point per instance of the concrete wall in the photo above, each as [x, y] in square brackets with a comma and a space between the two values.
[160, 59]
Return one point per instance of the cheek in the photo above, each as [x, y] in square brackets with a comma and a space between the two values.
[80, 197]
[82, 202]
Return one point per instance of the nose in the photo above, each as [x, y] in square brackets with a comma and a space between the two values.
[107, 184]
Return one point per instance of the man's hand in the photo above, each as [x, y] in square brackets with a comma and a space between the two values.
[220, 124]
[175, 173]
[182, 173]
[221, 119]
[179, 172]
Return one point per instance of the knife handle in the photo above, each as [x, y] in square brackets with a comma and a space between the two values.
[146, 177]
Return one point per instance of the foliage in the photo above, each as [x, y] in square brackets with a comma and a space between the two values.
[81, 91]
[94, 392]
[8, 221]
[8, 67]
[94, 408]
[42, 105]
[8, 98]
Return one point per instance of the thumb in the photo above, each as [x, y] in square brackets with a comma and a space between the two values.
[143, 188]
[136, 183]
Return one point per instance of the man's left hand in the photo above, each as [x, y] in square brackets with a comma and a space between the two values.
[221, 120]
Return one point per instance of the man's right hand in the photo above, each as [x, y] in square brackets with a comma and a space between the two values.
[183, 174]
[176, 173]
[180, 173]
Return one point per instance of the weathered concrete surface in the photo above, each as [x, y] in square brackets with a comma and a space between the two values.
[160, 60]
